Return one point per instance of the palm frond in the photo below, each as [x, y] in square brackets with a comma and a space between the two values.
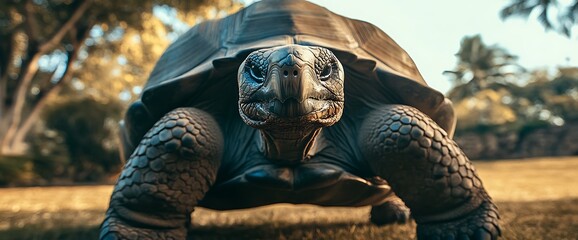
[521, 8]
[565, 29]
[571, 13]
[544, 19]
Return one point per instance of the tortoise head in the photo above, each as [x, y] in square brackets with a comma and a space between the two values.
[291, 87]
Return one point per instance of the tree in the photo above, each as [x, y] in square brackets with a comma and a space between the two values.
[554, 101]
[87, 126]
[485, 109]
[42, 44]
[483, 85]
[479, 66]
[567, 14]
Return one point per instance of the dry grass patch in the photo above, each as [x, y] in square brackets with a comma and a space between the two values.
[538, 199]
[531, 179]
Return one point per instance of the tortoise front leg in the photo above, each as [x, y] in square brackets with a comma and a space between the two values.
[167, 175]
[430, 173]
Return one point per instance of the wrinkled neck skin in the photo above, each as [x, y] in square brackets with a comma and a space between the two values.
[290, 147]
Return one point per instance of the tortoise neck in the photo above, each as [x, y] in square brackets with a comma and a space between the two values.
[288, 147]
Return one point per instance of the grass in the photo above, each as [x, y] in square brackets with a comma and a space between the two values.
[538, 199]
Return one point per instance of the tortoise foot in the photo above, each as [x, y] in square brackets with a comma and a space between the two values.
[390, 212]
[480, 224]
[116, 229]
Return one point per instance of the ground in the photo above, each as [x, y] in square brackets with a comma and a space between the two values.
[538, 199]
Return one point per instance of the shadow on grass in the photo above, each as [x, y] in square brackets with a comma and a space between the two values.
[520, 220]
[295, 231]
[308, 231]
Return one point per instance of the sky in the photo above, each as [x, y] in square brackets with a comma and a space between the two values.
[431, 32]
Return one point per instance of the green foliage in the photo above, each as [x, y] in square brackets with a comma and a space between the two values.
[541, 103]
[484, 110]
[558, 96]
[566, 11]
[88, 131]
[50, 155]
[77, 142]
[14, 169]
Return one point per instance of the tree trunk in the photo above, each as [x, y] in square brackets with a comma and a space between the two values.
[52, 92]
[15, 122]
[29, 69]
[6, 57]
[3, 85]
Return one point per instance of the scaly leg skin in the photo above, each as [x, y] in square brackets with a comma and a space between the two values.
[430, 173]
[169, 172]
[389, 212]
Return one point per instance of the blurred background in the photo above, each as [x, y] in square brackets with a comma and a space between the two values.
[69, 69]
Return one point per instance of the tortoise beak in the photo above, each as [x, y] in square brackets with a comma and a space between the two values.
[290, 92]
[289, 84]
[290, 80]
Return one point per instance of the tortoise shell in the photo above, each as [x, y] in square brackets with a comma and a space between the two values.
[199, 69]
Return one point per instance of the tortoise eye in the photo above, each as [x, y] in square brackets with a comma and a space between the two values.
[326, 73]
[256, 73]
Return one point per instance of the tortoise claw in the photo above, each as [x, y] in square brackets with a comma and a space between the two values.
[483, 234]
[481, 224]
[393, 211]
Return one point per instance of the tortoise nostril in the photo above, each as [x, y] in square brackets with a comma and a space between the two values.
[295, 73]
[285, 73]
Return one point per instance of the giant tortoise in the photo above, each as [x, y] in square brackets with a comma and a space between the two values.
[287, 102]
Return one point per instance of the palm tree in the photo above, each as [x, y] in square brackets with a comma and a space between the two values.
[480, 67]
[567, 13]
